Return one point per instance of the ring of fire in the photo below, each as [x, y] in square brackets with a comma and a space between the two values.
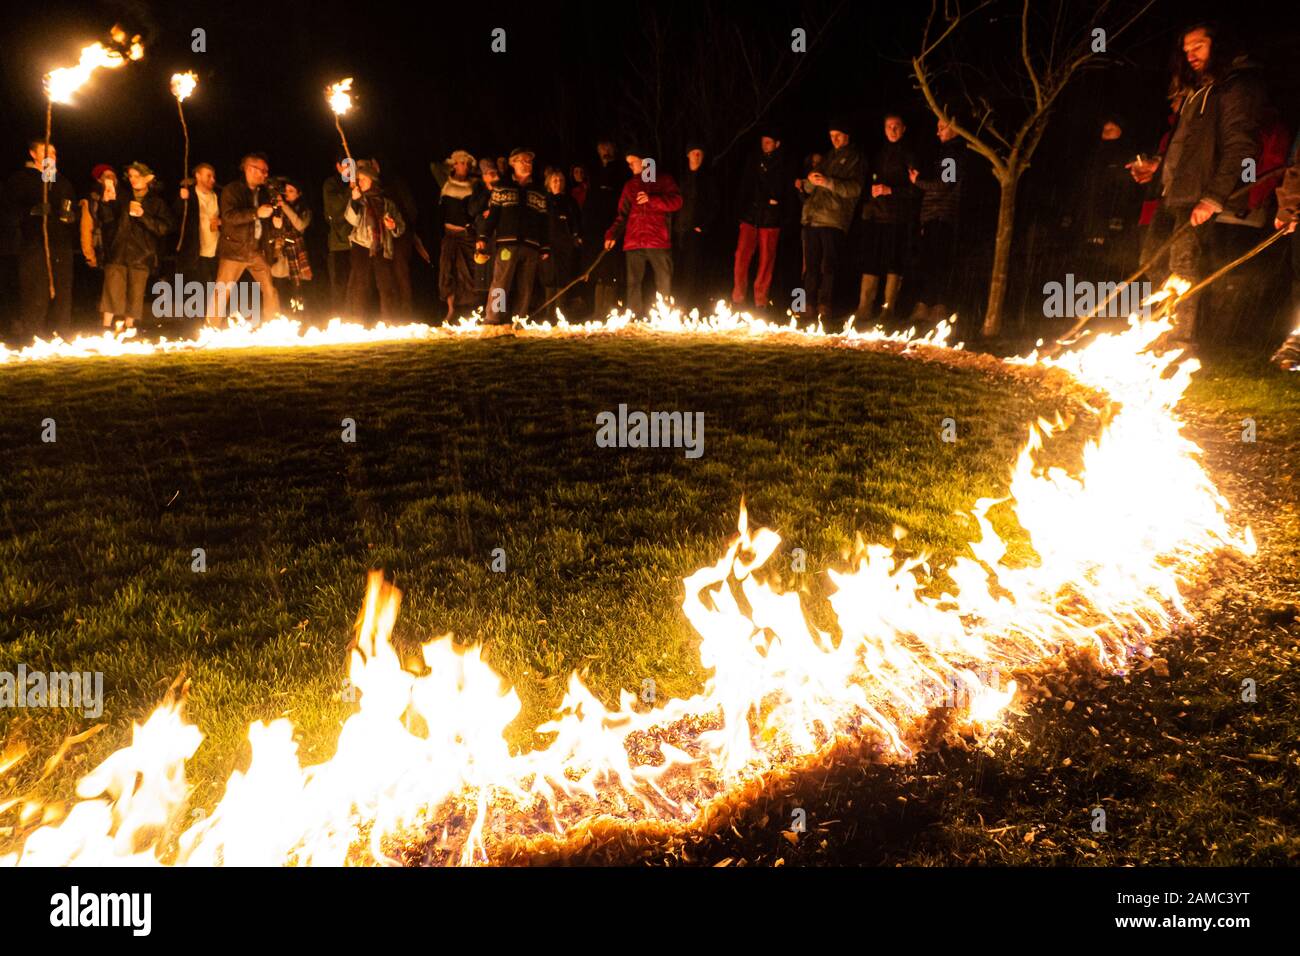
[423, 760]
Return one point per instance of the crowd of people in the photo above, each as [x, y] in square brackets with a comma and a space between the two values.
[900, 214]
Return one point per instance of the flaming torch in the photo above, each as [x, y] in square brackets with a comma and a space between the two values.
[340, 98]
[60, 84]
[182, 86]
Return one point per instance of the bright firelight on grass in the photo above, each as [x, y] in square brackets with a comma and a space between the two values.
[423, 759]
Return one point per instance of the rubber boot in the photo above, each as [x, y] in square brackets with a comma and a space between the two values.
[866, 300]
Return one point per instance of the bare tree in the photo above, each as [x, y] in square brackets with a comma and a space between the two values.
[1012, 92]
[716, 74]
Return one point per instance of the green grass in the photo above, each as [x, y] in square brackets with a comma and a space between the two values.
[462, 447]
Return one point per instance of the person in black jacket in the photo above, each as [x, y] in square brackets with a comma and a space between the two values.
[518, 220]
[693, 227]
[38, 314]
[1218, 97]
[201, 204]
[598, 214]
[887, 212]
[765, 203]
[134, 222]
[940, 182]
[1104, 210]
[565, 237]
[405, 244]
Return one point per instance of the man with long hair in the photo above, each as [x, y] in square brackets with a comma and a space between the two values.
[1217, 95]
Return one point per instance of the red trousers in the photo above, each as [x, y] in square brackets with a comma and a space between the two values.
[765, 240]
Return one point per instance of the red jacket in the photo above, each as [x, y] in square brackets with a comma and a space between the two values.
[646, 225]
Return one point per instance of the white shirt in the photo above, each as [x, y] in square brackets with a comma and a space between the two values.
[208, 210]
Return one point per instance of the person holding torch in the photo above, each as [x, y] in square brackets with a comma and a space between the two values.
[39, 314]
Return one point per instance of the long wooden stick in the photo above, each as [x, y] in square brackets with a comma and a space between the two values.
[45, 196]
[339, 126]
[185, 172]
[1225, 269]
[586, 275]
[1068, 337]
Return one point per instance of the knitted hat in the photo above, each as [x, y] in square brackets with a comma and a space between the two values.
[460, 156]
[100, 170]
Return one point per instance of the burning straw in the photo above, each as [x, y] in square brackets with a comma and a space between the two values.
[422, 765]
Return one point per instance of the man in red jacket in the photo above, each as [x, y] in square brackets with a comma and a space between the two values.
[647, 201]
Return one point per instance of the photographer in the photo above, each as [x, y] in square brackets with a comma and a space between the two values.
[245, 209]
[286, 246]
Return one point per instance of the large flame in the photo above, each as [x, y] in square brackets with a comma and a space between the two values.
[424, 759]
[62, 83]
[183, 85]
[340, 96]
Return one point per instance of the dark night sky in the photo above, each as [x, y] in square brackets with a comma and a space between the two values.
[427, 81]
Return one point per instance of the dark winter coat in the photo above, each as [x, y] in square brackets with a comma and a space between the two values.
[1109, 200]
[134, 241]
[22, 211]
[605, 188]
[645, 225]
[889, 166]
[1217, 129]
[700, 203]
[765, 192]
[517, 214]
[940, 182]
[833, 205]
[336, 195]
[564, 222]
[240, 233]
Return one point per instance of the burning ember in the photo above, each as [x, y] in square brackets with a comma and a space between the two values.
[60, 84]
[423, 760]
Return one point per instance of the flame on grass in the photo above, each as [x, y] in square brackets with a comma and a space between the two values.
[287, 332]
[423, 759]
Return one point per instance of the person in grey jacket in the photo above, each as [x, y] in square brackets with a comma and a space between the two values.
[832, 196]
[1218, 97]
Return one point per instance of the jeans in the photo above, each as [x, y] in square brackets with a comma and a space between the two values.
[661, 261]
